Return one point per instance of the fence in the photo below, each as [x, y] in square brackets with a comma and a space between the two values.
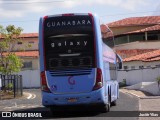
[11, 86]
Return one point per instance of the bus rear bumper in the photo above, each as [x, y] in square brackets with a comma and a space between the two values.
[94, 97]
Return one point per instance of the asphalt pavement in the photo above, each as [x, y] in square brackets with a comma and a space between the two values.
[31, 102]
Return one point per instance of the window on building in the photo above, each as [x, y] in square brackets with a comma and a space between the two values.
[152, 36]
[113, 73]
[132, 67]
[148, 66]
[159, 36]
[158, 66]
[141, 67]
[27, 65]
[125, 67]
[136, 37]
[121, 40]
[19, 43]
[31, 42]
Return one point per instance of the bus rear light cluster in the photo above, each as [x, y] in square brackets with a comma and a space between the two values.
[44, 82]
[99, 80]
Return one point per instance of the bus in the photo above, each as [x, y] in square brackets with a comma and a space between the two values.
[77, 67]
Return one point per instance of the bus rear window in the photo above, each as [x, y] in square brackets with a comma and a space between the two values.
[71, 50]
[64, 44]
[69, 42]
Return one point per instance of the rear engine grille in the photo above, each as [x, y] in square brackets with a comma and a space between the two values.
[70, 62]
[70, 72]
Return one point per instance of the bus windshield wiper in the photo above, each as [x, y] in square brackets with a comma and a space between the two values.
[66, 55]
[68, 35]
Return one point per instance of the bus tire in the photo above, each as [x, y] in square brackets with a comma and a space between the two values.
[114, 103]
[106, 107]
[109, 101]
[54, 109]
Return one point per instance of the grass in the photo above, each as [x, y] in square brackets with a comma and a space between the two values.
[7, 94]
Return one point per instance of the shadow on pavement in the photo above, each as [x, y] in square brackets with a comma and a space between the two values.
[63, 113]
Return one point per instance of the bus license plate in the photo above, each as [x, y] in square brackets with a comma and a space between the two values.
[72, 100]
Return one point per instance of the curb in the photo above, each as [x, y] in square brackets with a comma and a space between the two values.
[150, 97]
[29, 95]
[130, 93]
[144, 97]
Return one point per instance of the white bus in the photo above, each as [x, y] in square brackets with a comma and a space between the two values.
[77, 66]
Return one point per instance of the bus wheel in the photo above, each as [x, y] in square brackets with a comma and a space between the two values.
[109, 103]
[106, 108]
[114, 103]
[54, 109]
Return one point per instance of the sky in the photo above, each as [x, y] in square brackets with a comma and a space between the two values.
[26, 13]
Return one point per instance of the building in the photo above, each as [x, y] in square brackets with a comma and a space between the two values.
[137, 40]
[133, 36]
[30, 55]
[136, 35]
[143, 61]
[141, 68]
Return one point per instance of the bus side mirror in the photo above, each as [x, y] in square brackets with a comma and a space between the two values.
[120, 65]
[119, 61]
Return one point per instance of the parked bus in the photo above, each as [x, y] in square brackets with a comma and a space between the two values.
[77, 67]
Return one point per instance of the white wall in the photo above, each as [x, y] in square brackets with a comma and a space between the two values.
[140, 63]
[136, 76]
[31, 78]
[150, 87]
[138, 45]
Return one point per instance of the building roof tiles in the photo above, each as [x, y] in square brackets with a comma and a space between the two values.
[149, 56]
[148, 20]
[26, 35]
[152, 28]
[27, 54]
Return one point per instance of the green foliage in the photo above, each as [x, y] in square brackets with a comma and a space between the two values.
[158, 80]
[12, 64]
[123, 83]
[9, 86]
[9, 62]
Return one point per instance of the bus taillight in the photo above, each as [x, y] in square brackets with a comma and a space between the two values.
[68, 14]
[99, 80]
[44, 82]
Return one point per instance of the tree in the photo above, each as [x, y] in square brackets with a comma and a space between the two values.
[158, 81]
[9, 62]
